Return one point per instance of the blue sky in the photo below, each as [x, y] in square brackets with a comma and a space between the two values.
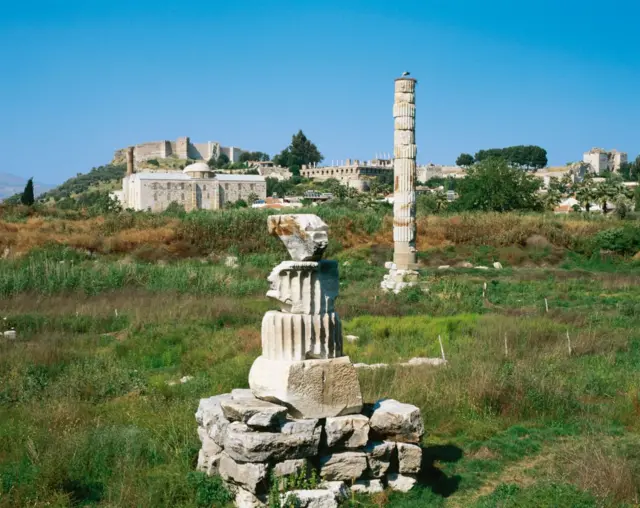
[83, 78]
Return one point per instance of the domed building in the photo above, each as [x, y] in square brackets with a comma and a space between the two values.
[196, 187]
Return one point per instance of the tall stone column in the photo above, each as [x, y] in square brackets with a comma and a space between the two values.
[404, 174]
[130, 160]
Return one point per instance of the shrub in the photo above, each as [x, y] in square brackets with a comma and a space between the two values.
[624, 240]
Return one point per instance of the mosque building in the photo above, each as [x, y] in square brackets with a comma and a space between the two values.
[196, 187]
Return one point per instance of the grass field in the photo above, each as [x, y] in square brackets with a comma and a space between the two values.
[88, 417]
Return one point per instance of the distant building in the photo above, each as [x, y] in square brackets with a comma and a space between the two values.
[429, 171]
[268, 169]
[195, 188]
[352, 173]
[601, 160]
[181, 148]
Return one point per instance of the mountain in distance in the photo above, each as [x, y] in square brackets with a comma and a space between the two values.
[12, 184]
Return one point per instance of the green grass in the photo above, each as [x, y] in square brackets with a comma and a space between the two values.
[87, 417]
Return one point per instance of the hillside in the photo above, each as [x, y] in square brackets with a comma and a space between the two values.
[12, 184]
[110, 173]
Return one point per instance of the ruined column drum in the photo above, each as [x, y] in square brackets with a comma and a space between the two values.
[404, 172]
[302, 364]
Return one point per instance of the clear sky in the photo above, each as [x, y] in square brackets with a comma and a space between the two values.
[81, 78]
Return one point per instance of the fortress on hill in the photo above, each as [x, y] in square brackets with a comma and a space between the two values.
[181, 148]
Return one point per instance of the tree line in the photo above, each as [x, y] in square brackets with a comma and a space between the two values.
[522, 156]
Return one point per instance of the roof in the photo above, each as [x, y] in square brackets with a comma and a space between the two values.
[239, 178]
[197, 167]
[175, 175]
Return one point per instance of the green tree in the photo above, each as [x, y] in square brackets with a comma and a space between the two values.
[526, 157]
[300, 151]
[465, 159]
[252, 198]
[218, 162]
[586, 192]
[254, 156]
[609, 190]
[28, 197]
[494, 185]
[636, 196]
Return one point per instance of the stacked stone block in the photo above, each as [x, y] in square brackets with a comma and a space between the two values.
[302, 364]
[249, 442]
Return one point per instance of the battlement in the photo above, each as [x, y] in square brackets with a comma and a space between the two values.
[181, 148]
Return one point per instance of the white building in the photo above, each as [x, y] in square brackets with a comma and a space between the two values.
[601, 160]
[195, 188]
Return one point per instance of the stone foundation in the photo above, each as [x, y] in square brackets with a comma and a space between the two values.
[396, 280]
[253, 444]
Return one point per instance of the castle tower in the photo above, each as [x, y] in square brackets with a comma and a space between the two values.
[130, 160]
[404, 174]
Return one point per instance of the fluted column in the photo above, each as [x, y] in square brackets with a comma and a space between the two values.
[404, 173]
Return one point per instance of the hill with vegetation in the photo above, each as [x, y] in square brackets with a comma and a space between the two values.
[109, 174]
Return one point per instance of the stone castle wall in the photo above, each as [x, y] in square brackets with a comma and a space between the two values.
[182, 148]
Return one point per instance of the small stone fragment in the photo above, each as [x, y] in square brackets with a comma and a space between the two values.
[251, 477]
[351, 431]
[254, 412]
[379, 456]
[309, 499]
[409, 458]
[351, 338]
[396, 421]
[497, 265]
[480, 267]
[465, 264]
[231, 262]
[367, 487]
[10, 334]
[401, 482]
[245, 499]
[424, 361]
[340, 490]
[291, 467]
[345, 466]
[444, 267]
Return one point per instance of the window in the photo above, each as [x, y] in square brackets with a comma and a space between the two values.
[168, 185]
[182, 196]
[226, 186]
[208, 197]
[182, 188]
[252, 186]
[154, 185]
[155, 196]
[204, 187]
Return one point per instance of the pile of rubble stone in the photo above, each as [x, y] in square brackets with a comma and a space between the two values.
[253, 444]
